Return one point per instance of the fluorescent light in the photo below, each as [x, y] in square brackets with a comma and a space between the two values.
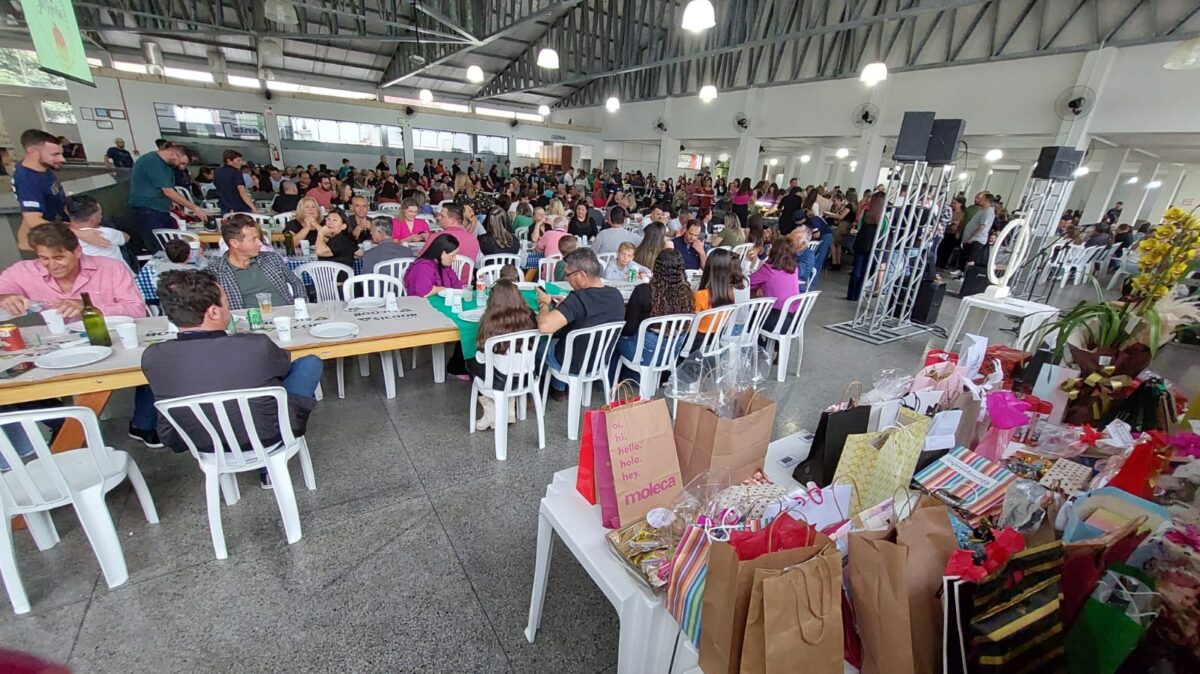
[993, 155]
[990, 172]
[475, 74]
[873, 73]
[544, 110]
[804, 158]
[1081, 171]
[724, 156]
[244, 82]
[842, 153]
[1132, 180]
[425, 96]
[708, 93]
[185, 74]
[773, 162]
[853, 165]
[548, 59]
[963, 176]
[1154, 184]
[699, 15]
[612, 104]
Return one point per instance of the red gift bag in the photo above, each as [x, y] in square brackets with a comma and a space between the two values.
[606, 487]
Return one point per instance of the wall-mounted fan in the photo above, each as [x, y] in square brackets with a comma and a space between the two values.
[865, 116]
[660, 126]
[740, 122]
[1074, 103]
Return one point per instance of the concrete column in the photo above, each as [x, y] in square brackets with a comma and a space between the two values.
[979, 176]
[746, 162]
[668, 156]
[410, 153]
[1105, 185]
[1165, 196]
[813, 173]
[1093, 73]
[794, 167]
[512, 148]
[1019, 184]
[870, 159]
[1144, 196]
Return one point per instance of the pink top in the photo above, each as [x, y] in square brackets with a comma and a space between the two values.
[402, 230]
[107, 281]
[548, 243]
[323, 197]
[775, 283]
[743, 199]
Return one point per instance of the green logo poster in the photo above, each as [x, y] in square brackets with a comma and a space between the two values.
[56, 37]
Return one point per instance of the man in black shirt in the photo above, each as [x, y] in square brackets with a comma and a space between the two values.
[231, 187]
[787, 210]
[118, 156]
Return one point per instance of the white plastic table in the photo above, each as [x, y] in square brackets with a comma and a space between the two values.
[649, 640]
[1032, 315]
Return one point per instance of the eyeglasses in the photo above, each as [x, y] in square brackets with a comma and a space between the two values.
[577, 271]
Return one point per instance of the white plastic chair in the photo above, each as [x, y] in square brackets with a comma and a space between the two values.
[220, 415]
[693, 276]
[716, 340]
[279, 222]
[591, 350]
[672, 331]
[1075, 262]
[461, 263]
[389, 208]
[523, 234]
[165, 235]
[378, 286]
[489, 274]
[396, 267]
[79, 478]
[811, 245]
[437, 208]
[521, 355]
[324, 276]
[605, 258]
[751, 315]
[264, 204]
[187, 194]
[500, 259]
[1100, 267]
[799, 306]
[546, 268]
[741, 249]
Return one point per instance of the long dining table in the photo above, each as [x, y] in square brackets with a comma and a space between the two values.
[415, 323]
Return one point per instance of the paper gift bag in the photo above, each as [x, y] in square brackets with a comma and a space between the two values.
[879, 594]
[966, 481]
[685, 588]
[802, 616]
[1112, 622]
[837, 422]
[880, 463]
[1016, 622]
[606, 488]
[726, 602]
[928, 536]
[642, 459]
[585, 477]
[706, 442]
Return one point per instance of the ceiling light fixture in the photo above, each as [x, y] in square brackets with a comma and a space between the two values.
[699, 15]
[475, 74]
[548, 59]
[708, 93]
[1081, 171]
[993, 155]
[873, 73]
[612, 104]
[426, 96]
[963, 176]
[544, 110]
[773, 162]
[991, 172]
[804, 158]
[724, 156]
[1133, 180]
[1184, 57]
[842, 153]
[1154, 184]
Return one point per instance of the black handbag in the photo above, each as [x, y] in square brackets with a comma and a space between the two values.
[830, 437]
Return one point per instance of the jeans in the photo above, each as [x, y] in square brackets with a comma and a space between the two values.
[145, 221]
[857, 273]
[819, 259]
[145, 416]
[553, 364]
[303, 376]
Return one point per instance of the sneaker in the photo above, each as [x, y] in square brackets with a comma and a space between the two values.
[148, 437]
[956, 274]
[264, 480]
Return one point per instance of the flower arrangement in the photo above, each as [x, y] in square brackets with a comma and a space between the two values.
[1164, 257]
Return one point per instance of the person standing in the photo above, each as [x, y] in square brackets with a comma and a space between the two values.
[1113, 214]
[231, 188]
[38, 191]
[117, 156]
[975, 233]
[152, 191]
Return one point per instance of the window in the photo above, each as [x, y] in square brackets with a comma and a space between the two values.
[689, 161]
[58, 112]
[19, 68]
[441, 141]
[195, 122]
[497, 145]
[529, 148]
[330, 131]
[395, 137]
[190, 75]
[276, 85]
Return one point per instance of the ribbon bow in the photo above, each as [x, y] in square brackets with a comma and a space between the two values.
[1103, 384]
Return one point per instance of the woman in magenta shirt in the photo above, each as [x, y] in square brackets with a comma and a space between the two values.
[434, 269]
[777, 278]
[741, 200]
[408, 227]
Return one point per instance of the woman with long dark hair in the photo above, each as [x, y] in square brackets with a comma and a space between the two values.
[334, 241]
[507, 312]
[667, 293]
[654, 240]
[434, 269]
[722, 276]
[741, 200]
[776, 278]
[498, 238]
[864, 242]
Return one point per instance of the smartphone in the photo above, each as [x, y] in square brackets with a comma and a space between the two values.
[14, 371]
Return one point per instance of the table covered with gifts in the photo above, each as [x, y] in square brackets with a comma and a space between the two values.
[982, 510]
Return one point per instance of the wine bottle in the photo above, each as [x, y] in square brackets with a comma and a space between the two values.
[93, 323]
[289, 242]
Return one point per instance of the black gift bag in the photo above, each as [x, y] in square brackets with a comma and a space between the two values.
[848, 417]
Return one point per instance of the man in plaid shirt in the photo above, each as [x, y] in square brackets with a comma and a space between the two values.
[243, 273]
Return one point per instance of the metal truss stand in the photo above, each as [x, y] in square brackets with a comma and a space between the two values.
[1044, 201]
[899, 255]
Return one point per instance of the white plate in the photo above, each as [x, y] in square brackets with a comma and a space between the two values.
[333, 330]
[366, 303]
[447, 293]
[110, 321]
[74, 357]
[526, 285]
[471, 316]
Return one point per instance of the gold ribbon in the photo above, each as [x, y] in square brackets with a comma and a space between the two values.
[1104, 383]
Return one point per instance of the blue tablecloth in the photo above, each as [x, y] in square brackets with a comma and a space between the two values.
[147, 278]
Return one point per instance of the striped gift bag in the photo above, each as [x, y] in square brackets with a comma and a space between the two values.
[685, 588]
[966, 481]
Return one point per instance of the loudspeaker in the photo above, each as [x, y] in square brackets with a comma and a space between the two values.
[928, 302]
[1057, 163]
[915, 130]
[943, 140]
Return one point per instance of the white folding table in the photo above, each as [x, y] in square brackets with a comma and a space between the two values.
[1032, 315]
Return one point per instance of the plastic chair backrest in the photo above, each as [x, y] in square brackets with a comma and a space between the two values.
[220, 415]
[595, 348]
[605, 258]
[720, 326]
[488, 274]
[751, 315]
[165, 235]
[1076, 255]
[324, 276]
[500, 259]
[800, 306]
[812, 278]
[371, 285]
[396, 267]
[25, 490]
[523, 370]
[187, 194]
[464, 269]
[673, 330]
[811, 245]
[546, 268]
[280, 220]
[742, 248]
[523, 233]
[389, 208]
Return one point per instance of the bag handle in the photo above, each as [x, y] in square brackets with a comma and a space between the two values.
[626, 388]
[824, 579]
[853, 400]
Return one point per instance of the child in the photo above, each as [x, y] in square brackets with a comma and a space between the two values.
[178, 251]
[566, 245]
[510, 273]
[618, 269]
[507, 312]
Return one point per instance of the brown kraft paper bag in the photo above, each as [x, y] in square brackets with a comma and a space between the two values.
[645, 468]
[706, 442]
[802, 612]
[878, 591]
[929, 538]
[726, 602]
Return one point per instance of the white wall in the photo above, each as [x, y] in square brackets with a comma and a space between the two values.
[631, 157]
[20, 108]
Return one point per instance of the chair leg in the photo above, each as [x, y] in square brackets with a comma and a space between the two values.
[474, 407]
[414, 358]
[784, 347]
[12, 575]
[320, 394]
[501, 429]
[539, 409]
[399, 356]
[229, 487]
[212, 496]
[285, 496]
[341, 377]
[799, 352]
[310, 478]
[574, 395]
[523, 407]
[587, 393]
[41, 527]
[143, 492]
[97, 523]
[364, 367]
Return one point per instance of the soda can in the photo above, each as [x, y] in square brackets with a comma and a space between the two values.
[10, 338]
[254, 318]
